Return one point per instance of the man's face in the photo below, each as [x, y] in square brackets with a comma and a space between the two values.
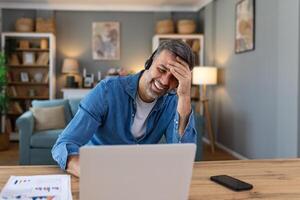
[159, 80]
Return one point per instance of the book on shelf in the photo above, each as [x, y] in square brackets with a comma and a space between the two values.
[15, 108]
[9, 76]
[43, 58]
[8, 126]
[46, 77]
[13, 59]
[12, 92]
[18, 107]
[24, 44]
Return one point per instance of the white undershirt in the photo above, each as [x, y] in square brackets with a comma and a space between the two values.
[143, 109]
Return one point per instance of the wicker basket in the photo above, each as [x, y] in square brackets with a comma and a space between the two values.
[45, 25]
[165, 27]
[24, 25]
[186, 26]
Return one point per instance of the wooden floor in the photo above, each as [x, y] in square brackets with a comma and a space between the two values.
[219, 154]
[11, 156]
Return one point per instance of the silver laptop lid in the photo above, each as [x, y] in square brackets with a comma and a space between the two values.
[136, 172]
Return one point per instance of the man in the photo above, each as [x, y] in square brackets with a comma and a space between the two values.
[136, 109]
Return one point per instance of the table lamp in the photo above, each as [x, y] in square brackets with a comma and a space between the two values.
[204, 76]
[70, 67]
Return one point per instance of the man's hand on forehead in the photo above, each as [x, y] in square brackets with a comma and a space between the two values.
[178, 63]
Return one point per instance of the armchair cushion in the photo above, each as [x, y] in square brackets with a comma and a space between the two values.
[44, 139]
[49, 118]
[55, 102]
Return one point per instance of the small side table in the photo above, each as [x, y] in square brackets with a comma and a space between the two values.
[75, 93]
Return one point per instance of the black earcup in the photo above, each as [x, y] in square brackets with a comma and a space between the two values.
[149, 61]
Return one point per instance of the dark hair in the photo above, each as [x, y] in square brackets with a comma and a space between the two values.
[177, 47]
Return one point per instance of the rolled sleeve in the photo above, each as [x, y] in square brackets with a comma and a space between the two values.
[76, 134]
[189, 135]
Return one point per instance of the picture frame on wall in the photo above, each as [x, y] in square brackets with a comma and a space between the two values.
[245, 26]
[106, 40]
[28, 58]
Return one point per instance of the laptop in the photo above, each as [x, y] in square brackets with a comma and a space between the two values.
[136, 172]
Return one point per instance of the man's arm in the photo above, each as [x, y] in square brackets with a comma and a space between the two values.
[80, 130]
[182, 73]
[182, 128]
[184, 110]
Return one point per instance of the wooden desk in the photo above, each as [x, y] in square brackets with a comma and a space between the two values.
[272, 179]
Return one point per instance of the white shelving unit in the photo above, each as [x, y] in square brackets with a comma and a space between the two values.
[26, 91]
[51, 40]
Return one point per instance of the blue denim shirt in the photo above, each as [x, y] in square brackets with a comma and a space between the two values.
[106, 114]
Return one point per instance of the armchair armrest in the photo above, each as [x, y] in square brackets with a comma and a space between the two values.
[25, 124]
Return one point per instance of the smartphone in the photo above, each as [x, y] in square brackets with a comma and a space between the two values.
[231, 183]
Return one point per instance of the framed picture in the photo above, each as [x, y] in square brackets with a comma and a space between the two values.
[106, 40]
[88, 81]
[24, 77]
[28, 58]
[245, 26]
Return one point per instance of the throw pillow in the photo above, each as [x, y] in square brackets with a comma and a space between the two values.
[49, 118]
[55, 102]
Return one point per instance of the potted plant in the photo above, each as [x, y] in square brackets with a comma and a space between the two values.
[4, 135]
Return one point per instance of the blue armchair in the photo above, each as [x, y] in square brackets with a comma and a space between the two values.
[35, 146]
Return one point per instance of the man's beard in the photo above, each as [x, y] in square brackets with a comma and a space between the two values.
[148, 87]
[149, 91]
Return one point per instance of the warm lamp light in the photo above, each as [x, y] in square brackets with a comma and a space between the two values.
[205, 75]
[70, 67]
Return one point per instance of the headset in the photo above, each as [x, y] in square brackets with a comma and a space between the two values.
[149, 61]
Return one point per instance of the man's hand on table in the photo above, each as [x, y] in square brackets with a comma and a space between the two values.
[73, 165]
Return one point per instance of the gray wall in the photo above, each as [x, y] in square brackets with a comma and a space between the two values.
[256, 105]
[74, 31]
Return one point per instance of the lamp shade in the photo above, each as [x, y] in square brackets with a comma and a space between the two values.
[70, 66]
[205, 75]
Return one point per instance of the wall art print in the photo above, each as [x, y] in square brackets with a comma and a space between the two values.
[106, 40]
[245, 26]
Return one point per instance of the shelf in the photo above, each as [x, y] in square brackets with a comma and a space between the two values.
[14, 114]
[32, 49]
[29, 66]
[29, 98]
[27, 83]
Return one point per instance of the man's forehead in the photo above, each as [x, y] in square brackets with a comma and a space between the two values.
[166, 56]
